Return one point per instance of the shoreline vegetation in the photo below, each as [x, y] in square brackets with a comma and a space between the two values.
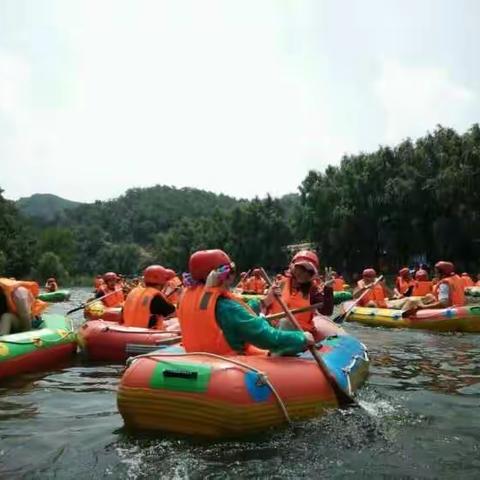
[415, 202]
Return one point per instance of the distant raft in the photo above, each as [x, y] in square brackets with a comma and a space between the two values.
[459, 319]
[49, 345]
[207, 395]
[55, 297]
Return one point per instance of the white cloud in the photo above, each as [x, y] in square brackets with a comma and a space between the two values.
[417, 98]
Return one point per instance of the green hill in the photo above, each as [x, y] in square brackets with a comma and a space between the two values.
[44, 206]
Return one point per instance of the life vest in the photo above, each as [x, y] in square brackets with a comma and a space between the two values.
[136, 311]
[422, 288]
[255, 285]
[375, 294]
[456, 290]
[200, 330]
[9, 286]
[403, 285]
[467, 281]
[294, 298]
[172, 290]
[114, 299]
[338, 284]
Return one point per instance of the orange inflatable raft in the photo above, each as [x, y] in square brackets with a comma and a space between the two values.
[202, 394]
[110, 341]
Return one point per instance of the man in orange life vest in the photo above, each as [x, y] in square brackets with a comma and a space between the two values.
[215, 320]
[377, 296]
[147, 306]
[255, 284]
[422, 285]
[449, 291]
[404, 283]
[301, 290]
[19, 308]
[111, 292]
[338, 282]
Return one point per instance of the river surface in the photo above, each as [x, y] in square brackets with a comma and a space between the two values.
[420, 419]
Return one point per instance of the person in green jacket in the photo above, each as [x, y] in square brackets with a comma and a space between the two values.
[234, 322]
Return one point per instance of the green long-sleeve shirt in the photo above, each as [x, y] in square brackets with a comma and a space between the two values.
[240, 327]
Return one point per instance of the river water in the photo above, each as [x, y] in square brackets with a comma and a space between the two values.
[420, 419]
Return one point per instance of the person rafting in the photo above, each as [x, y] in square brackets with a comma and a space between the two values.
[51, 285]
[338, 282]
[213, 319]
[422, 286]
[98, 283]
[301, 290]
[449, 291]
[242, 282]
[467, 280]
[404, 283]
[173, 287]
[20, 310]
[255, 284]
[110, 292]
[147, 306]
[376, 296]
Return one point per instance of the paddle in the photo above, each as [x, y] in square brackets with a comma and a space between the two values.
[277, 316]
[343, 397]
[341, 318]
[76, 309]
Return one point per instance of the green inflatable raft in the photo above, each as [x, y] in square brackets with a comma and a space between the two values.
[38, 349]
[55, 297]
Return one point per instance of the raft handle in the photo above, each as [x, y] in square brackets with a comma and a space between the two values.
[180, 374]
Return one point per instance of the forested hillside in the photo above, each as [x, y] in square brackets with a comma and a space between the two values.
[416, 200]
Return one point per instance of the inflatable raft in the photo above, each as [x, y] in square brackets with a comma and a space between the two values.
[202, 394]
[54, 297]
[109, 341]
[49, 345]
[97, 311]
[338, 297]
[460, 319]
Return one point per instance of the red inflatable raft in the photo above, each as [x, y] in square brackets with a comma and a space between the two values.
[97, 311]
[108, 341]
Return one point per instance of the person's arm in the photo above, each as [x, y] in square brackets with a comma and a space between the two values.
[443, 298]
[23, 300]
[240, 326]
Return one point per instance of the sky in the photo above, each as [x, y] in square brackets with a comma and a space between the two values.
[241, 97]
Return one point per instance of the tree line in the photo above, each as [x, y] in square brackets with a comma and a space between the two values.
[417, 201]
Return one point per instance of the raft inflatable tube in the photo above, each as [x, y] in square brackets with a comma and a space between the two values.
[207, 395]
[50, 345]
[338, 297]
[98, 310]
[459, 319]
[108, 341]
[472, 292]
[55, 297]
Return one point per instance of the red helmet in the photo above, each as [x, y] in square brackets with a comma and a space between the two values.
[465, 274]
[201, 263]
[421, 275]
[445, 268]
[256, 272]
[109, 276]
[170, 274]
[369, 273]
[155, 275]
[306, 258]
[404, 272]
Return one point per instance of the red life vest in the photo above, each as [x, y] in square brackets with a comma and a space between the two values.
[403, 285]
[115, 299]
[136, 311]
[255, 285]
[456, 290]
[294, 298]
[339, 284]
[376, 294]
[422, 288]
[467, 281]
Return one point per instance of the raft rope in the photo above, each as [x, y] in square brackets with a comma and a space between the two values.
[147, 330]
[261, 375]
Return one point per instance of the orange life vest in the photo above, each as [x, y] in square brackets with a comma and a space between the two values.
[294, 298]
[196, 314]
[172, 290]
[115, 299]
[338, 285]
[403, 285]
[375, 294]
[456, 290]
[255, 285]
[9, 286]
[467, 281]
[136, 311]
[422, 288]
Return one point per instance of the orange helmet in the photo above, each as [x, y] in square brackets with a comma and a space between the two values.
[369, 273]
[306, 258]
[155, 275]
[110, 276]
[404, 272]
[170, 274]
[445, 268]
[201, 263]
[421, 275]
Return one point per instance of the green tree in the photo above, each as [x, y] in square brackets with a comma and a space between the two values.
[49, 265]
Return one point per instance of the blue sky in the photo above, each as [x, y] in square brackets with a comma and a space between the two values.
[241, 97]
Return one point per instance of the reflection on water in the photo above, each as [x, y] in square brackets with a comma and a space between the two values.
[419, 419]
